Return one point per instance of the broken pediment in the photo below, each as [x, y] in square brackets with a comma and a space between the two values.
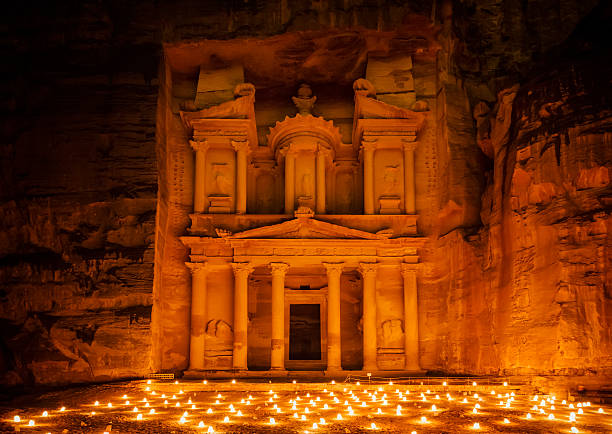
[306, 228]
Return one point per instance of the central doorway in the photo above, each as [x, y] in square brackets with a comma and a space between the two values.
[305, 332]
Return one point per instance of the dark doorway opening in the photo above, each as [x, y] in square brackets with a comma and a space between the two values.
[305, 332]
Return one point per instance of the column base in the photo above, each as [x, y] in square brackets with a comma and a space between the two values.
[278, 369]
[334, 371]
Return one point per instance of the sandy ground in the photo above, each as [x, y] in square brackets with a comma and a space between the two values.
[295, 408]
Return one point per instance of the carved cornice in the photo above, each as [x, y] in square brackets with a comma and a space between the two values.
[368, 268]
[279, 268]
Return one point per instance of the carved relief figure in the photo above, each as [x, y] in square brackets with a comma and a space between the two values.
[306, 185]
[304, 101]
[222, 179]
[390, 179]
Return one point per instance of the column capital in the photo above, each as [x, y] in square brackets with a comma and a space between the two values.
[242, 268]
[409, 145]
[333, 267]
[199, 145]
[279, 268]
[408, 269]
[368, 268]
[369, 145]
[197, 267]
[240, 145]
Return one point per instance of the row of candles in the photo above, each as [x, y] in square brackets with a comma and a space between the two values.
[368, 401]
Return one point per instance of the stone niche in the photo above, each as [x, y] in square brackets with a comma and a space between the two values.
[306, 146]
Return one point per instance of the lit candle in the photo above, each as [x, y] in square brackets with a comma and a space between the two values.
[476, 425]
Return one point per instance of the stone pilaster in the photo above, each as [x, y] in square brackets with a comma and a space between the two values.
[199, 274]
[241, 313]
[368, 271]
[334, 341]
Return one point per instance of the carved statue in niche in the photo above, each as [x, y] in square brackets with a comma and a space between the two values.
[242, 107]
[391, 334]
[390, 179]
[306, 185]
[221, 177]
[305, 100]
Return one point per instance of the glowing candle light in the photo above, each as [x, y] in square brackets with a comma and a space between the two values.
[152, 411]
[315, 426]
[139, 416]
[166, 402]
[444, 384]
[363, 404]
[574, 429]
[148, 381]
[96, 403]
[63, 409]
[600, 410]
[306, 410]
[506, 420]
[16, 419]
[551, 416]
[45, 413]
[201, 424]
[423, 419]
[475, 411]
[31, 423]
[528, 416]
[373, 426]
[210, 429]
[322, 421]
[182, 420]
[433, 407]
[476, 425]
[135, 409]
[204, 382]
[378, 411]
[339, 417]
[303, 417]
[226, 419]
[239, 413]
[209, 411]
[580, 411]
[326, 407]
[272, 421]
[474, 384]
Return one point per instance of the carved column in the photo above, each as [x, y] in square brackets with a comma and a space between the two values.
[289, 182]
[320, 204]
[242, 149]
[277, 353]
[409, 187]
[368, 177]
[334, 341]
[199, 188]
[241, 312]
[368, 271]
[411, 318]
[199, 273]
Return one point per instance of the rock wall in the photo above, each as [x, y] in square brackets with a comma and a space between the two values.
[528, 292]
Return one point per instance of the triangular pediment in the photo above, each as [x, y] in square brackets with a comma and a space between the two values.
[305, 228]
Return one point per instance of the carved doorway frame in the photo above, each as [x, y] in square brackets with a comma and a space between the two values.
[312, 296]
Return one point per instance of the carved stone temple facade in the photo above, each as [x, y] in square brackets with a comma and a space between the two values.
[304, 252]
